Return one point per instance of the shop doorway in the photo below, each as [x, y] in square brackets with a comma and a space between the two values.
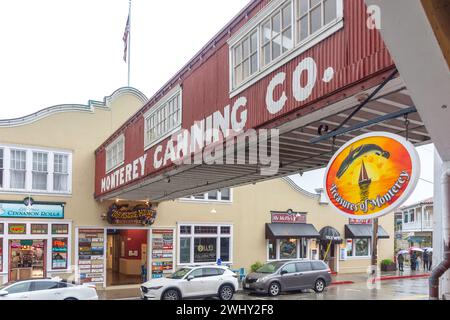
[126, 257]
[329, 255]
[27, 259]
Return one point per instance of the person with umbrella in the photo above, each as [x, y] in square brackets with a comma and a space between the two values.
[400, 260]
[425, 260]
[413, 261]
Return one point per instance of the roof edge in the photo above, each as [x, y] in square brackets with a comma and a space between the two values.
[90, 107]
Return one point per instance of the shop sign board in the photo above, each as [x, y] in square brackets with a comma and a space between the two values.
[372, 175]
[10, 209]
[137, 215]
[288, 216]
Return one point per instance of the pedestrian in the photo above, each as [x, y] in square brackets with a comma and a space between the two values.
[425, 261]
[430, 261]
[418, 262]
[400, 260]
[413, 261]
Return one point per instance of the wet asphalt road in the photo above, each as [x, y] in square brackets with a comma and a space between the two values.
[403, 289]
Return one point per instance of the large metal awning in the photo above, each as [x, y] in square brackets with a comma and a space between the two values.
[297, 153]
[359, 231]
[287, 230]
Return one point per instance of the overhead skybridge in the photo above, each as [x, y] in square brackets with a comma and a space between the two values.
[324, 90]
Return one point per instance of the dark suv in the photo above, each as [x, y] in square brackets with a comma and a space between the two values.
[277, 276]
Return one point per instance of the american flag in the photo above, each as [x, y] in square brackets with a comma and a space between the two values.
[125, 39]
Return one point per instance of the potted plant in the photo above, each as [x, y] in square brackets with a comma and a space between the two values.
[256, 266]
[388, 265]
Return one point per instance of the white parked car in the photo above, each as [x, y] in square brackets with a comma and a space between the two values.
[46, 289]
[192, 282]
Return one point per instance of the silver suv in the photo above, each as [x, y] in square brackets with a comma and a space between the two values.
[277, 276]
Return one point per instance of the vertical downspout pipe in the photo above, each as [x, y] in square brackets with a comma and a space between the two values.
[445, 264]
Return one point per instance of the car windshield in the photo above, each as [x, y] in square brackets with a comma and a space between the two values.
[270, 267]
[5, 285]
[179, 273]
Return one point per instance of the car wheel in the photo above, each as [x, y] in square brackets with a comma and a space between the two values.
[319, 286]
[274, 289]
[171, 294]
[70, 299]
[226, 292]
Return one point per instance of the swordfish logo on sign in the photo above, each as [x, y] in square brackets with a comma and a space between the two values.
[372, 175]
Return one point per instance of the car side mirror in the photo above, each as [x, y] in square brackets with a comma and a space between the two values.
[189, 278]
[283, 272]
[3, 293]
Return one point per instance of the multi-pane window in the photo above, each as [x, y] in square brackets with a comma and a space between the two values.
[205, 243]
[358, 247]
[277, 34]
[1, 168]
[245, 55]
[115, 153]
[18, 169]
[31, 170]
[40, 170]
[215, 195]
[61, 172]
[163, 119]
[312, 15]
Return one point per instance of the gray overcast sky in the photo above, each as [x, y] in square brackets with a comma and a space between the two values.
[70, 51]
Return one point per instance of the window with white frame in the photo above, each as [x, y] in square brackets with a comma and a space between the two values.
[163, 120]
[205, 243]
[223, 195]
[115, 153]
[358, 247]
[277, 34]
[313, 15]
[288, 26]
[286, 249]
[1, 168]
[18, 169]
[40, 171]
[245, 57]
[61, 172]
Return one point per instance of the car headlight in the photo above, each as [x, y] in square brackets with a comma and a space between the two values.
[154, 288]
[261, 279]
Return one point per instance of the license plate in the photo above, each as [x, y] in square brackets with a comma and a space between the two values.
[247, 285]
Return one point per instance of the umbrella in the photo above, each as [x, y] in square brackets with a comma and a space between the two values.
[428, 249]
[415, 249]
[402, 252]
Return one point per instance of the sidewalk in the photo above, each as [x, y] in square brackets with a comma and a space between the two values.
[385, 276]
[119, 293]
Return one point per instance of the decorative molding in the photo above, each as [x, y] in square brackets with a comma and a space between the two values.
[89, 108]
[297, 188]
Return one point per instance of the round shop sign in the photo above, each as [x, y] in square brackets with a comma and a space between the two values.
[372, 175]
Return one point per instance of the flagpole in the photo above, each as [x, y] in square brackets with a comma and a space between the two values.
[129, 42]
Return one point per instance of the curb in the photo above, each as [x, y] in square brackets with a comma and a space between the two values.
[341, 282]
[425, 275]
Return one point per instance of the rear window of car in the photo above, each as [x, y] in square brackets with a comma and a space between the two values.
[303, 266]
[318, 265]
[211, 272]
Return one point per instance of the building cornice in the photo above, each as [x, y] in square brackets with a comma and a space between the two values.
[297, 188]
[89, 108]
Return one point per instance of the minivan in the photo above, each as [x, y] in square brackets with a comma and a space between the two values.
[281, 276]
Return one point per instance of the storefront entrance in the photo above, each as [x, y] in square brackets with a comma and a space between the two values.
[27, 259]
[329, 255]
[126, 257]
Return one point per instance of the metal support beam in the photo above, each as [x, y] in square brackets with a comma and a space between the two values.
[362, 125]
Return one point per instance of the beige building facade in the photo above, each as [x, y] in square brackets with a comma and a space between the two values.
[51, 225]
